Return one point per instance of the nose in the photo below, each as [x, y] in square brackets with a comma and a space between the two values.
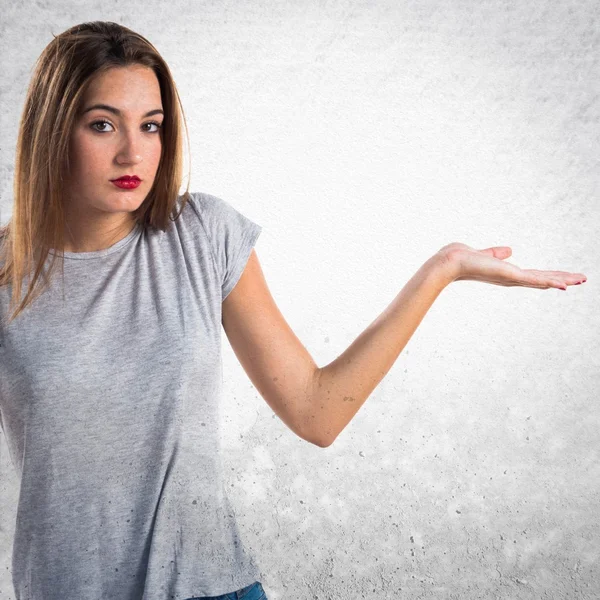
[133, 159]
[130, 153]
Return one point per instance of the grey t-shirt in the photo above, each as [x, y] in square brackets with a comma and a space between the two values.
[109, 401]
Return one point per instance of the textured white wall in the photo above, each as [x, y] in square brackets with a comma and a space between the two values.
[364, 136]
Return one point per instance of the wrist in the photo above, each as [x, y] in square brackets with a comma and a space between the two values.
[445, 266]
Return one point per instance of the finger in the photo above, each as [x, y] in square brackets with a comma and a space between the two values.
[497, 251]
[540, 279]
[562, 275]
[569, 276]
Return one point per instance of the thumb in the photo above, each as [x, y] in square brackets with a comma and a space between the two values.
[497, 251]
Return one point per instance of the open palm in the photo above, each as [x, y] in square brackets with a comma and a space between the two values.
[488, 265]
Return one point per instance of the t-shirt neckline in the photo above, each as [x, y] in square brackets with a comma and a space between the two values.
[105, 251]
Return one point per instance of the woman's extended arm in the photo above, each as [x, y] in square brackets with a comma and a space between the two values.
[342, 386]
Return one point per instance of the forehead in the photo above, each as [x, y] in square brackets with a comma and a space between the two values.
[131, 89]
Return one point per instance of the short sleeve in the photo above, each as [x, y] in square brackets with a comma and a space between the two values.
[232, 235]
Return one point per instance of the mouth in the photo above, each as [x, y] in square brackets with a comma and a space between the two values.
[128, 178]
[126, 184]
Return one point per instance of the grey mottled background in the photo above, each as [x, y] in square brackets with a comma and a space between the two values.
[364, 136]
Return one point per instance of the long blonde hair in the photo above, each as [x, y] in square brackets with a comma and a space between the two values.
[61, 76]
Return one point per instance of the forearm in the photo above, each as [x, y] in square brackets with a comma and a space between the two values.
[342, 386]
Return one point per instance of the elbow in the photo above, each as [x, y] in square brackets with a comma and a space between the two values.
[317, 440]
[316, 437]
[323, 440]
[323, 443]
[312, 419]
[329, 439]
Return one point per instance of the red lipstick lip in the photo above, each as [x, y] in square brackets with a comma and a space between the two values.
[127, 178]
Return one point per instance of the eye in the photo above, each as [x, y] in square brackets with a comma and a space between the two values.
[105, 122]
[158, 126]
[99, 123]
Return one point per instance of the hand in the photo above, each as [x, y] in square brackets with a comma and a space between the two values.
[464, 262]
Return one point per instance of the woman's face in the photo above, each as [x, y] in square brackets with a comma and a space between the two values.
[106, 144]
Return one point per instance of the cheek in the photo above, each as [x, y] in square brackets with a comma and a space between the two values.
[156, 152]
[86, 156]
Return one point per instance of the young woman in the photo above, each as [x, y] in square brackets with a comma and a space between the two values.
[110, 379]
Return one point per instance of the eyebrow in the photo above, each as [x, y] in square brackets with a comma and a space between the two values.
[117, 112]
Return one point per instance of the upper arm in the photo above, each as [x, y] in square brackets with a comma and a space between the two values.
[275, 360]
